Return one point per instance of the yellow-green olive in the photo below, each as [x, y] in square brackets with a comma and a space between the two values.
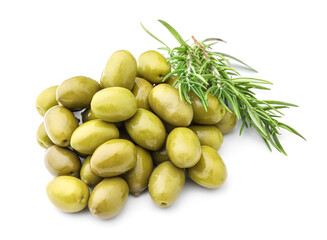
[138, 177]
[114, 104]
[183, 147]
[108, 198]
[88, 115]
[113, 158]
[152, 66]
[166, 184]
[146, 129]
[160, 155]
[165, 101]
[208, 135]
[172, 80]
[227, 123]
[42, 137]
[168, 126]
[67, 193]
[120, 70]
[46, 100]
[141, 90]
[90, 135]
[210, 171]
[87, 175]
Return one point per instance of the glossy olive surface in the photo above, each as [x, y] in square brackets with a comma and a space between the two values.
[210, 171]
[146, 129]
[67, 193]
[76, 93]
[208, 135]
[42, 137]
[183, 147]
[138, 177]
[113, 158]
[88, 115]
[160, 155]
[108, 198]
[228, 122]
[60, 123]
[166, 184]
[152, 66]
[165, 101]
[90, 135]
[62, 161]
[114, 104]
[120, 70]
[87, 175]
[141, 90]
[46, 100]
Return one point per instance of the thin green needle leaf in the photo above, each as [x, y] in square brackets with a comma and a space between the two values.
[238, 60]
[148, 32]
[174, 33]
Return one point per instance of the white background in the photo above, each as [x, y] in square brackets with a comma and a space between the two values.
[267, 195]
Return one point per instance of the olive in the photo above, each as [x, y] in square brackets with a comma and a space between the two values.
[208, 135]
[62, 161]
[76, 93]
[60, 123]
[114, 104]
[171, 80]
[183, 147]
[153, 66]
[146, 129]
[210, 171]
[160, 155]
[90, 135]
[165, 101]
[46, 100]
[108, 198]
[88, 115]
[87, 175]
[67, 193]
[120, 70]
[141, 90]
[166, 184]
[227, 123]
[42, 137]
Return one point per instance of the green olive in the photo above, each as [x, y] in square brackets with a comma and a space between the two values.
[88, 115]
[90, 135]
[120, 70]
[168, 126]
[108, 198]
[141, 90]
[62, 161]
[76, 93]
[227, 123]
[60, 123]
[210, 171]
[42, 137]
[183, 147]
[114, 104]
[152, 66]
[160, 155]
[138, 177]
[46, 100]
[171, 81]
[166, 184]
[87, 175]
[113, 158]
[68, 193]
[165, 101]
[215, 111]
[208, 135]
[146, 129]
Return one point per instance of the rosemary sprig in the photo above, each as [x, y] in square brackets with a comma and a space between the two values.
[203, 71]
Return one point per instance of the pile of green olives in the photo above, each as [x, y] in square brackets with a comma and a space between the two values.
[127, 133]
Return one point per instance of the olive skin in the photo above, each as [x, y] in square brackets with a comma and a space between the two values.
[146, 129]
[42, 137]
[90, 135]
[62, 161]
[210, 171]
[76, 93]
[114, 104]
[87, 175]
[166, 184]
[165, 101]
[138, 177]
[108, 198]
[160, 155]
[46, 100]
[183, 147]
[153, 66]
[228, 123]
[113, 158]
[120, 70]
[67, 193]
[88, 115]
[141, 90]
[208, 135]
[60, 123]
[215, 111]
[171, 81]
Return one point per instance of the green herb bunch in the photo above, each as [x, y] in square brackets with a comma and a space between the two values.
[203, 71]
